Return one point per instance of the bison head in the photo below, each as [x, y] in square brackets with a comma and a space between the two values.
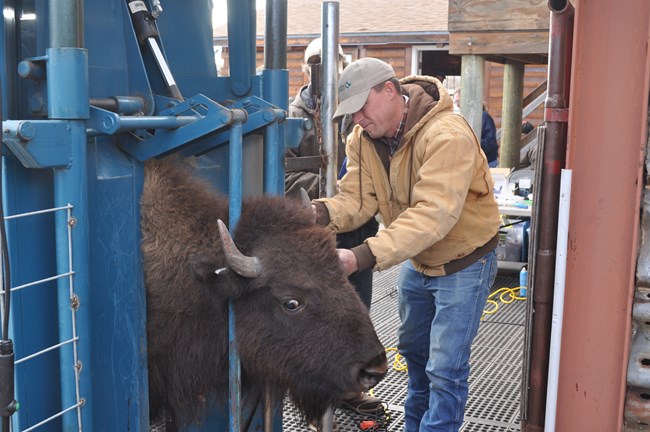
[301, 327]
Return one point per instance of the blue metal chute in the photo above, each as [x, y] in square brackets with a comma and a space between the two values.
[86, 103]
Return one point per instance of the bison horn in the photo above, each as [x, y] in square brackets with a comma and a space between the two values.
[304, 198]
[248, 267]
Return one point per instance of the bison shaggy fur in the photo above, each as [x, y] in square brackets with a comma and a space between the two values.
[301, 328]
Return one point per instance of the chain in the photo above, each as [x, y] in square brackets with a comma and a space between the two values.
[318, 130]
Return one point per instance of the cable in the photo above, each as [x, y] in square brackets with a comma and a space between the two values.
[8, 404]
[506, 296]
[6, 277]
[398, 362]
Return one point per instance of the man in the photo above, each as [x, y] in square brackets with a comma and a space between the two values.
[488, 134]
[420, 166]
[306, 104]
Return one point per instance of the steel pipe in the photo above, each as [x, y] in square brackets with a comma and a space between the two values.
[275, 36]
[548, 192]
[329, 99]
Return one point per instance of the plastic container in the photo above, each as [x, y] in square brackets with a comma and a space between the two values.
[523, 282]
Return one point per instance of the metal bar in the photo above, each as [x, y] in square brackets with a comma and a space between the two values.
[276, 89]
[241, 45]
[164, 69]
[554, 159]
[73, 319]
[37, 212]
[23, 286]
[49, 419]
[558, 300]
[71, 186]
[272, 159]
[235, 199]
[66, 23]
[275, 36]
[268, 411]
[329, 100]
[328, 420]
[166, 122]
[120, 104]
[52, 348]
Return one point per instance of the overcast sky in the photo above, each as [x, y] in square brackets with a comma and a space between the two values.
[219, 13]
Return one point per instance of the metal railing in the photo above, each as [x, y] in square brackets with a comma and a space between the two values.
[73, 339]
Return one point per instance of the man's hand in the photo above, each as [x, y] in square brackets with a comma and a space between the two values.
[348, 261]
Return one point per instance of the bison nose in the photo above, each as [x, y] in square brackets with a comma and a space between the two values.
[374, 371]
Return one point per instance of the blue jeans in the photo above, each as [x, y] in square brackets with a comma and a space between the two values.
[440, 318]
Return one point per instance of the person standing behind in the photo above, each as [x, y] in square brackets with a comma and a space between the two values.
[488, 134]
[302, 164]
[419, 165]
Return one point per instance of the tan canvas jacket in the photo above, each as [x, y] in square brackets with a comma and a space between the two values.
[436, 201]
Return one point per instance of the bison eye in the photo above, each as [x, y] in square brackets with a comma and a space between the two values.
[292, 305]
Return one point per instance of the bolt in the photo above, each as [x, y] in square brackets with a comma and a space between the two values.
[267, 116]
[26, 131]
[74, 302]
[72, 222]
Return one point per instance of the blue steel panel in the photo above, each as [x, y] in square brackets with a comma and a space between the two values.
[120, 391]
[186, 33]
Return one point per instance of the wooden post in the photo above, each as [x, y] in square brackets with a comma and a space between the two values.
[513, 92]
[471, 91]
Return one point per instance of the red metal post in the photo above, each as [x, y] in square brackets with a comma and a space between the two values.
[606, 142]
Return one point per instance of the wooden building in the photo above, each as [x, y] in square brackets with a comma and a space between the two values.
[424, 37]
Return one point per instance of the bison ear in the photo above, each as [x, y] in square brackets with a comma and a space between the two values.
[204, 267]
[248, 267]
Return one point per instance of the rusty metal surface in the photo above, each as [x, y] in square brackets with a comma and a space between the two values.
[606, 153]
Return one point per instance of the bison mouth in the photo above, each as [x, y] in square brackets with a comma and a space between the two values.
[373, 372]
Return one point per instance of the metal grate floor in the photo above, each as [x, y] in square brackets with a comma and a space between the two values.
[495, 378]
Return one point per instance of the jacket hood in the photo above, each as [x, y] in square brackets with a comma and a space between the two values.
[427, 98]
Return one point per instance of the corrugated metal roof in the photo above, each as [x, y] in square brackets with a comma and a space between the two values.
[362, 16]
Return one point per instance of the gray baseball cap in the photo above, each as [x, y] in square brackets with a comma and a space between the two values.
[357, 80]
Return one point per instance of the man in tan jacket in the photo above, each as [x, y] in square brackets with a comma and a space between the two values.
[420, 166]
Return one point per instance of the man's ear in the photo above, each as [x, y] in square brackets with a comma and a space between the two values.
[390, 89]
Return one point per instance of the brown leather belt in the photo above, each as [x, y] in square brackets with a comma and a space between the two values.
[461, 263]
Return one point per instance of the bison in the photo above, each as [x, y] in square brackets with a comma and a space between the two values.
[301, 328]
